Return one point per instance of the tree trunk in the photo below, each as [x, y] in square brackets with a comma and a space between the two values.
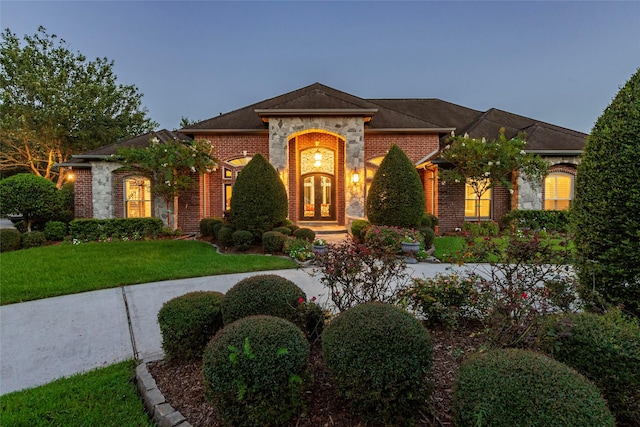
[175, 213]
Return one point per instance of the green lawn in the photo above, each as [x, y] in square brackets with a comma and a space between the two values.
[67, 269]
[103, 397]
[447, 246]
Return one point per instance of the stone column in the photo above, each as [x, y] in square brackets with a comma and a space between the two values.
[102, 189]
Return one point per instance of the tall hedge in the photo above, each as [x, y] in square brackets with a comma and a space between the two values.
[396, 196]
[605, 211]
[259, 199]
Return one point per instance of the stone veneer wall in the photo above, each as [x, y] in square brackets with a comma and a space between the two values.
[531, 196]
[102, 189]
[351, 129]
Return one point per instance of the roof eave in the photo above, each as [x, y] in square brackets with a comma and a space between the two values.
[199, 131]
[409, 130]
[556, 152]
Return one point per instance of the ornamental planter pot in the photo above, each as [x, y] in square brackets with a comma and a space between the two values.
[320, 249]
[410, 247]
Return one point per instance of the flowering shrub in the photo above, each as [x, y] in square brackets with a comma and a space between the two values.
[391, 238]
[521, 283]
[443, 299]
[356, 273]
[298, 249]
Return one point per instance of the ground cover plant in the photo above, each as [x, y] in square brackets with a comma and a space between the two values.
[103, 397]
[53, 270]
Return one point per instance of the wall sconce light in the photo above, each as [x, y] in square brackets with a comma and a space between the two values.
[355, 178]
[244, 153]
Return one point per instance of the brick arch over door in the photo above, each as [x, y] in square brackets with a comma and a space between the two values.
[307, 140]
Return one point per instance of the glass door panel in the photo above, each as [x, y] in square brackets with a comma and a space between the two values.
[309, 197]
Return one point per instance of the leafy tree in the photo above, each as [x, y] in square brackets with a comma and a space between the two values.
[485, 164]
[30, 196]
[186, 122]
[396, 197]
[259, 199]
[604, 214]
[55, 103]
[170, 166]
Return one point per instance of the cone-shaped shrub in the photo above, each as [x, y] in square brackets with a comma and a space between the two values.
[380, 357]
[604, 214]
[511, 387]
[255, 371]
[396, 196]
[259, 200]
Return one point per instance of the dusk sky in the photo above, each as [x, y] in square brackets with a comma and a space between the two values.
[558, 62]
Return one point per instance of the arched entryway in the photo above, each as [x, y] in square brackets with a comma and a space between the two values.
[318, 183]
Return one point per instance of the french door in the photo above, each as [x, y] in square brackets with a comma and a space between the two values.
[318, 197]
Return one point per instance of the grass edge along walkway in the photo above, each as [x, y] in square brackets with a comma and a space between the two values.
[102, 397]
[65, 269]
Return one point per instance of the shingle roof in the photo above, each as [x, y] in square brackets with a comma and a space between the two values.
[398, 114]
[415, 114]
[140, 141]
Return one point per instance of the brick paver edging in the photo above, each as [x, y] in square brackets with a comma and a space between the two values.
[162, 413]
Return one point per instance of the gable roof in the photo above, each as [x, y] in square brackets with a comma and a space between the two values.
[423, 115]
[397, 115]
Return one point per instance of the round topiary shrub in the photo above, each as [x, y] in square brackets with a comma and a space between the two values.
[32, 239]
[225, 236]
[255, 371]
[206, 226]
[273, 241]
[429, 236]
[605, 349]
[9, 239]
[267, 294]
[292, 227]
[380, 357]
[188, 322]
[512, 387]
[242, 239]
[305, 233]
[215, 229]
[429, 220]
[55, 230]
[284, 230]
[359, 229]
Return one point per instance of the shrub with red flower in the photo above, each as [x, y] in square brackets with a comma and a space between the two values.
[355, 273]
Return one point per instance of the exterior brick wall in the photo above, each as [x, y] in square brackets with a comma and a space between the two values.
[82, 188]
[228, 147]
[450, 206]
[416, 147]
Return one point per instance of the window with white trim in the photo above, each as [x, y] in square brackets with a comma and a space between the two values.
[137, 192]
[474, 207]
[558, 191]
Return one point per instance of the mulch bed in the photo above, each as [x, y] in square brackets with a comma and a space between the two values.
[182, 386]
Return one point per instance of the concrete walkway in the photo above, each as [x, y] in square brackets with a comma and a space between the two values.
[43, 340]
